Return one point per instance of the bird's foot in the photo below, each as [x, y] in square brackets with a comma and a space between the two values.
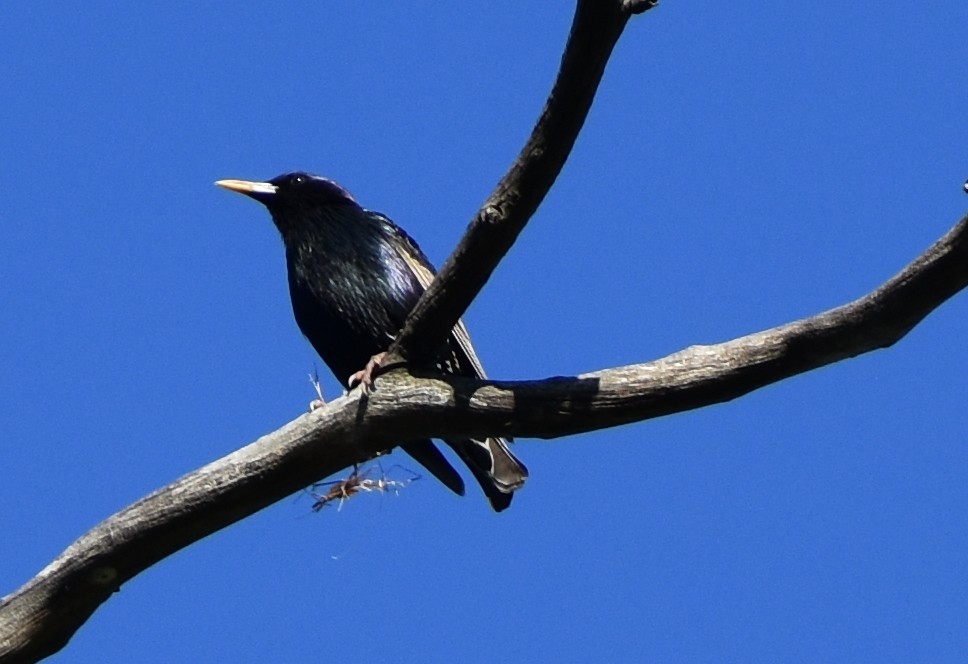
[368, 374]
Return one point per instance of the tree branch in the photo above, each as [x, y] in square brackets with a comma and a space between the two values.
[595, 29]
[40, 617]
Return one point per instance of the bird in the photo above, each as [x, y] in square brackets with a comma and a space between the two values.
[354, 276]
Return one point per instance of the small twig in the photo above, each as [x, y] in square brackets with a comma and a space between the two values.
[320, 401]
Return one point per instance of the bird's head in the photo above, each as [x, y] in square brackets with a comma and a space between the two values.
[293, 195]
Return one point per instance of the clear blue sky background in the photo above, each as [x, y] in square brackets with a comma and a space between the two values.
[745, 164]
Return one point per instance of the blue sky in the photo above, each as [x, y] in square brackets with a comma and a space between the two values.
[745, 164]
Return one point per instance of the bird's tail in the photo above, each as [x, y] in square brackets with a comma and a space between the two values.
[498, 471]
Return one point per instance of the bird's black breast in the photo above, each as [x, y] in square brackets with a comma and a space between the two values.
[350, 290]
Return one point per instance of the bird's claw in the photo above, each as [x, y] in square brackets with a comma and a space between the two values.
[367, 374]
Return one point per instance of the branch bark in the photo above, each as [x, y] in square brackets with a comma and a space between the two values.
[40, 617]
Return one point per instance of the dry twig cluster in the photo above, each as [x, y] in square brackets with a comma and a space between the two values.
[360, 480]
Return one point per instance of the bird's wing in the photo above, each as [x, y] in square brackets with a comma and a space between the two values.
[498, 471]
[421, 267]
[463, 340]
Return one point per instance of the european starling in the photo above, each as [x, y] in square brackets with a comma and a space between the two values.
[354, 276]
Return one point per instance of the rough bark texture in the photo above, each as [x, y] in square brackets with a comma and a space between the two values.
[41, 616]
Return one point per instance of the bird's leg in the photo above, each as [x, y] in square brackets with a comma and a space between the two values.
[320, 402]
[367, 374]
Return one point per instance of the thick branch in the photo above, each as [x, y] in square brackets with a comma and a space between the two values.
[40, 617]
[596, 28]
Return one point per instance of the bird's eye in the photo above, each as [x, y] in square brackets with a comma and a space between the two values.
[298, 179]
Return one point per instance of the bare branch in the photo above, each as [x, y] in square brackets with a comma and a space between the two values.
[596, 28]
[40, 617]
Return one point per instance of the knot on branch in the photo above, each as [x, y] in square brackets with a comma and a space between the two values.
[103, 576]
[638, 6]
[491, 215]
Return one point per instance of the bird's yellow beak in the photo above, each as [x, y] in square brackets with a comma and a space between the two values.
[249, 188]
